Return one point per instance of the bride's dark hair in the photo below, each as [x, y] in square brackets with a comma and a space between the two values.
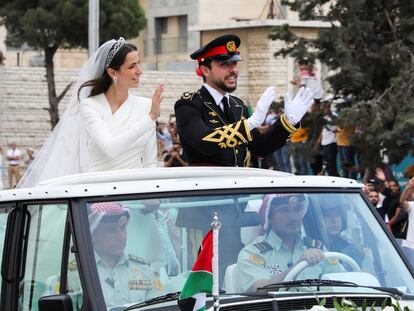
[101, 85]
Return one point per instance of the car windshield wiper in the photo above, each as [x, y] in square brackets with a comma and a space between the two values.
[155, 300]
[176, 295]
[318, 282]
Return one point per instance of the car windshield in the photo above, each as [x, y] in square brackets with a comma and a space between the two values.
[146, 248]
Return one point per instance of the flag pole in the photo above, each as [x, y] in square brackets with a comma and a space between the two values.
[215, 225]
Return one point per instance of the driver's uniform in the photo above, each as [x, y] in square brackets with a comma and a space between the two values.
[268, 256]
[132, 280]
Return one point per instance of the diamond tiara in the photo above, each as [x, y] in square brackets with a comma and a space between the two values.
[115, 48]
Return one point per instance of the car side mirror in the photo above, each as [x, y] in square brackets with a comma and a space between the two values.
[55, 303]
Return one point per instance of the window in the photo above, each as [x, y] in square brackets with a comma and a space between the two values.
[44, 253]
[171, 34]
[146, 247]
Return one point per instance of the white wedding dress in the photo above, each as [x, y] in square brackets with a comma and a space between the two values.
[90, 138]
[123, 140]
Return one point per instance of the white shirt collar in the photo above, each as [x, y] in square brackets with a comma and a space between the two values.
[216, 94]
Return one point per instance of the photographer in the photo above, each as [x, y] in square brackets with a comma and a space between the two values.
[174, 157]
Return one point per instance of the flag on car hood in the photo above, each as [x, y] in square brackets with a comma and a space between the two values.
[200, 279]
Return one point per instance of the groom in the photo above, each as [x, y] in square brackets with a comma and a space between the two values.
[214, 127]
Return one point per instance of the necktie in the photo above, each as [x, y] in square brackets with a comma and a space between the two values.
[227, 110]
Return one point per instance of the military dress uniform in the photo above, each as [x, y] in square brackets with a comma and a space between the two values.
[209, 138]
[132, 280]
[212, 136]
[268, 256]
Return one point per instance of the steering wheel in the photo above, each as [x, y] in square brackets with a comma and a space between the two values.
[328, 255]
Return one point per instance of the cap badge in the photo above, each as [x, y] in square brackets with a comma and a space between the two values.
[293, 201]
[231, 46]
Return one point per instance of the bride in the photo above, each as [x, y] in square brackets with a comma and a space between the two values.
[104, 127]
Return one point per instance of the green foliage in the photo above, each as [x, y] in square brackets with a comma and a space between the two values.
[370, 47]
[47, 23]
[348, 305]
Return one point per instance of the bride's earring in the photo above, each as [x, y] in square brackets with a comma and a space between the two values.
[115, 80]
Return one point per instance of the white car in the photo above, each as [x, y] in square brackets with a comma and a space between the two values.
[52, 261]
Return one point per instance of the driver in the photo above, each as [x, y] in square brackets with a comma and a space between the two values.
[281, 246]
[124, 278]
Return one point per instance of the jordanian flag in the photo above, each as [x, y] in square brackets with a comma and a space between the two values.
[200, 280]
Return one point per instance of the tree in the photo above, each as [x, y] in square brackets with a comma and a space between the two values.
[48, 25]
[370, 47]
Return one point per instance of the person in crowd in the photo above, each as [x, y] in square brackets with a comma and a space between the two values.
[14, 156]
[281, 155]
[267, 162]
[214, 127]
[105, 127]
[308, 78]
[174, 157]
[407, 202]
[29, 156]
[167, 134]
[346, 151]
[328, 141]
[334, 222]
[374, 198]
[307, 151]
[409, 171]
[281, 247]
[2, 58]
[124, 278]
[390, 189]
[298, 150]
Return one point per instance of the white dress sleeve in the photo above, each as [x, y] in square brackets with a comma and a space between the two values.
[112, 146]
[149, 153]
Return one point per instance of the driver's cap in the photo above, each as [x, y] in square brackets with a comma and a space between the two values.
[107, 212]
[274, 202]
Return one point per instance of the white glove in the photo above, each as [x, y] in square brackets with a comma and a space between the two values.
[262, 106]
[295, 109]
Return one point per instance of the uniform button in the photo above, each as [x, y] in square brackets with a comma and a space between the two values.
[237, 151]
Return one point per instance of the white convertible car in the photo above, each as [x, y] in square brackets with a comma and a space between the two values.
[52, 261]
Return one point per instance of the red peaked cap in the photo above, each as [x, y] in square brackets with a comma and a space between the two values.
[223, 48]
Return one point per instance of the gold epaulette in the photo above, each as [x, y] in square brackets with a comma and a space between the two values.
[189, 95]
[287, 125]
[311, 243]
[138, 259]
[263, 247]
[231, 135]
[257, 260]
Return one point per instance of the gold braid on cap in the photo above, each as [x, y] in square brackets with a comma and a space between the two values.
[115, 48]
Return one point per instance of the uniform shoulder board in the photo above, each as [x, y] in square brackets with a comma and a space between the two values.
[72, 265]
[311, 243]
[138, 259]
[189, 95]
[263, 247]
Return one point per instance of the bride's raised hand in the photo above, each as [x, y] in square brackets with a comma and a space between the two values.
[156, 102]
